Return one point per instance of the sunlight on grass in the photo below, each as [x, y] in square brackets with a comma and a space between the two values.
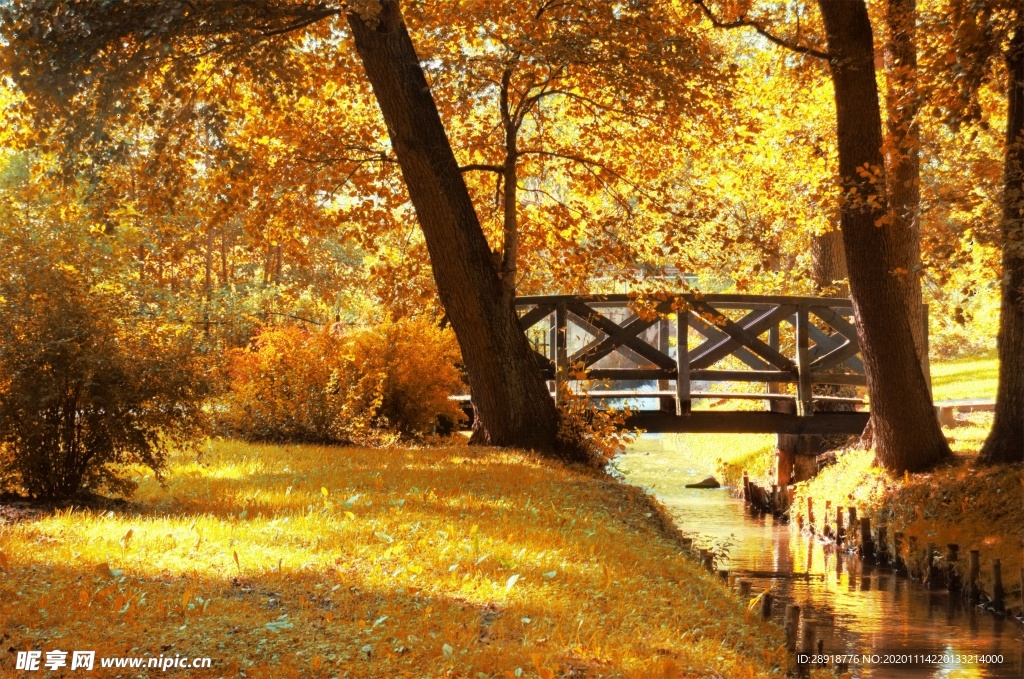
[972, 377]
[303, 561]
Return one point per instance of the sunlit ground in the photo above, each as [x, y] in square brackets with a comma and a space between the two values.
[971, 377]
[308, 561]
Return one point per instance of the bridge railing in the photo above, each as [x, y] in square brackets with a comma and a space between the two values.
[611, 337]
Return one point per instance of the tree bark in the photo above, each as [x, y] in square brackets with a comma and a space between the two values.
[509, 395]
[904, 167]
[828, 264]
[906, 431]
[208, 279]
[1005, 442]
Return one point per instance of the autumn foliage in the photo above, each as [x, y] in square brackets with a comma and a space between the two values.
[86, 387]
[372, 385]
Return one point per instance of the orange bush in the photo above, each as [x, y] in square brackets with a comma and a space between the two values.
[372, 385]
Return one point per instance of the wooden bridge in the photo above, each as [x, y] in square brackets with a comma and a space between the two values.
[692, 345]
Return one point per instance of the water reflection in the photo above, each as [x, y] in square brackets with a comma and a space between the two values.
[858, 609]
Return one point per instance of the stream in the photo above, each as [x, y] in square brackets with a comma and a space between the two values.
[857, 609]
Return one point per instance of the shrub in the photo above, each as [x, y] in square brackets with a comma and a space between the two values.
[371, 385]
[85, 390]
[397, 377]
[598, 433]
[278, 386]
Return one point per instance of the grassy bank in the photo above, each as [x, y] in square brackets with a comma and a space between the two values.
[321, 562]
[965, 377]
[959, 502]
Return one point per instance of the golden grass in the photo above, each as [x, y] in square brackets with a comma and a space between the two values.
[960, 502]
[300, 561]
[967, 377]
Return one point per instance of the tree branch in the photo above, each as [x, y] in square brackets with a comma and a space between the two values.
[761, 30]
[483, 167]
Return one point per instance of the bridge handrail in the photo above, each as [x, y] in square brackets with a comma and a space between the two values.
[834, 339]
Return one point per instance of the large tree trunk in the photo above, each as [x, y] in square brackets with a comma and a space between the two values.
[904, 167]
[906, 431]
[509, 395]
[1005, 442]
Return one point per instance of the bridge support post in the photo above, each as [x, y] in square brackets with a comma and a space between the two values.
[561, 350]
[666, 404]
[683, 362]
[804, 396]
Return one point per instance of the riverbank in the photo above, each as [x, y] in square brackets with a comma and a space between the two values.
[960, 502]
[301, 561]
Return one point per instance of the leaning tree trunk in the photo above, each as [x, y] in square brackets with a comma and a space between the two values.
[509, 395]
[906, 431]
[904, 168]
[1005, 442]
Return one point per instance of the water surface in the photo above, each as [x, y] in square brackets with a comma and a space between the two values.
[857, 609]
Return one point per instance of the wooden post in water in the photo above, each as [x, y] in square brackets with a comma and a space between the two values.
[998, 594]
[745, 589]
[766, 605]
[806, 645]
[840, 531]
[705, 560]
[746, 486]
[723, 575]
[867, 547]
[912, 556]
[882, 547]
[930, 570]
[790, 626]
[852, 522]
[952, 579]
[973, 571]
[810, 513]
